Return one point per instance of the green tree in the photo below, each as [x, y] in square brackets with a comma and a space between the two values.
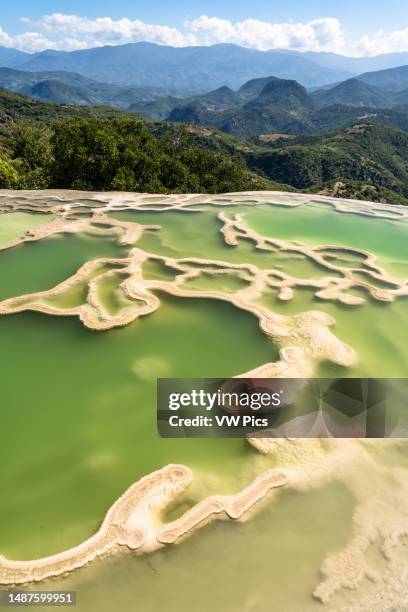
[8, 175]
[32, 145]
[85, 153]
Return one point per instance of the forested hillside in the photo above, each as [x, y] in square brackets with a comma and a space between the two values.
[47, 145]
[97, 148]
[365, 161]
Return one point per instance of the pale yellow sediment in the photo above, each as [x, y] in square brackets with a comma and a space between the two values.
[380, 514]
[234, 506]
[142, 500]
[282, 329]
[62, 200]
[303, 341]
[309, 332]
[134, 522]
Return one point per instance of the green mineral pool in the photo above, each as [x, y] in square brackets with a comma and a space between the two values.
[84, 421]
[78, 409]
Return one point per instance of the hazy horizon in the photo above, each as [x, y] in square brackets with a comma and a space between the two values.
[351, 29]
[216, 44]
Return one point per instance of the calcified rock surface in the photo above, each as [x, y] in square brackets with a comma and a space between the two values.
[129, 522]
[134, 521]
[303, 339]
[380, 517]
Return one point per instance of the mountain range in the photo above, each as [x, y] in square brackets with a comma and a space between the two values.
[72, 88]
[176, 84]
[272, 105]
[167, 83]
[310, 121]
[198, 68]
[187, 69]
[81, 147]
[138, 74]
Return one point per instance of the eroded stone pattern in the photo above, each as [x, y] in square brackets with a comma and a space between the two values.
[134, 522]
[381, 493]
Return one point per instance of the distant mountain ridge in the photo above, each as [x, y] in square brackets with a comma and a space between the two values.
[354, 92]
[198, 68]
[206, 86]
[365, 160]
[393, 79]
[72, 88]
[189, 69]
[358, 65]
[11, 58]
[276, 91]
[282, 106]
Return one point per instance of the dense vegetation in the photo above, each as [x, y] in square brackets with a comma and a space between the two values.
[15, 108]
[54, 146]
[365, 161]
[46, 146]
[271, 105]
[121, 154]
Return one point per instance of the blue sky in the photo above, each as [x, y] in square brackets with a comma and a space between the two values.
[359, 27]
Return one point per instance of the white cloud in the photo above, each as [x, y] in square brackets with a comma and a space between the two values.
[28, 41]
[317, 35]
[71, 32]
[107, 31]
[383, 42]
[32, 42]
[5, 39]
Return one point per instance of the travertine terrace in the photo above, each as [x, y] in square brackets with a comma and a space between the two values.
[304, 341]
[134, 522]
